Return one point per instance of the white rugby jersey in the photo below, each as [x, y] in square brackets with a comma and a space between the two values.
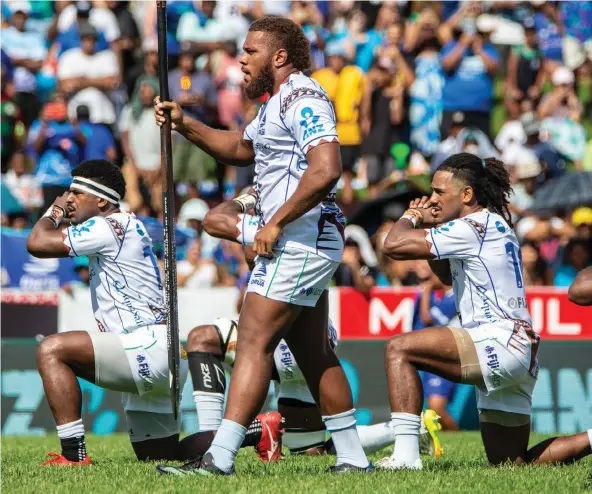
[125, 283]
[296, 119]
[486, 265]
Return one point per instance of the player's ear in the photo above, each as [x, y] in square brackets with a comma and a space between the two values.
[467, 194]
[102, 203]
[280, 58]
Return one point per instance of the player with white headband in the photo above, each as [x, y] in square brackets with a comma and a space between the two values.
[128, 353]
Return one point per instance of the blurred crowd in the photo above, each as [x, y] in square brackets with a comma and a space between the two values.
[412, 82]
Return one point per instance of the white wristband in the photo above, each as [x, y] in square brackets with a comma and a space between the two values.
[410, 218]
[55, 214]
[247, 201]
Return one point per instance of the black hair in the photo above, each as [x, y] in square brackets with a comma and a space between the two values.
[287, 35]
[489, 179]
[103, 172]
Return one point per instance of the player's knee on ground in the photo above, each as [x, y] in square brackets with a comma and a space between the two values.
[204, 339]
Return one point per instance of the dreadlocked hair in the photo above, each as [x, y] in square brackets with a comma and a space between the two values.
[489, 179]
[103, 172]
[287, 35]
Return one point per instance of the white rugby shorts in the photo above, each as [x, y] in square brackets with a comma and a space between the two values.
[136, 363]
[507, 357]
[294, 276]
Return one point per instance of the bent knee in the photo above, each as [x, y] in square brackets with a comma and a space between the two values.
[204, 339]
[396, 348]
[48, 348]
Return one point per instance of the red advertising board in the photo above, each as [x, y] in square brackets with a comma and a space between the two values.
[386, 312]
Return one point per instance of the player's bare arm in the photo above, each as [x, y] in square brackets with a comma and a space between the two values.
[222, 221]
[404, 242]
[322, 174]
[46, 239]
[225, 146]
[580, 292]
[441, 268]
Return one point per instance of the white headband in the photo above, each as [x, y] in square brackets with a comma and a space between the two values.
[95, 188]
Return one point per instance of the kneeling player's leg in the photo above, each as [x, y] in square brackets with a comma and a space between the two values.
[60, 358]
[433, 350]
[326, 380]
[154, 436]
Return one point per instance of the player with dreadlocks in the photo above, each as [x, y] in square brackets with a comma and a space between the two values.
[464, 231]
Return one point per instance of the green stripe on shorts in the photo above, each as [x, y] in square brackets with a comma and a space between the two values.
[274, 273]
[300, 276]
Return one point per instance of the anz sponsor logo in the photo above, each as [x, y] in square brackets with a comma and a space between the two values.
[258, 277]
[310, 123]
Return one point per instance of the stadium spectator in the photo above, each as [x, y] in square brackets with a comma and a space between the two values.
[81, 267]
[56, 145]
[526, 170]
[575, 258]
[470, 62]
[582, 222]
[358, 266]
[191, 216]
[129, 38]
[195, 91]
[550, 31]
[69, 37]
[534, 270]
[100, 144]
[95, 13]
[426, 91]
[194, 271]
[23, 185]
[27, 51]
[149, 67]
[199, 31]
[11, 126]
[140, 140]
[525, 73]
[228, 78]
[87, 77]
[348, 90]
[309, 17]
[389, 121]
[562, 102]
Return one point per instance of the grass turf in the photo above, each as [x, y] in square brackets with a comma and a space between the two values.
[463, 468]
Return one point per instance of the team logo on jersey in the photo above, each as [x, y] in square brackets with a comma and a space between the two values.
[310, 122]
[478, 228]
[299, 93]
[160, 314]
[78, 230]
[500, 226]
[117, 229]
[261, 271]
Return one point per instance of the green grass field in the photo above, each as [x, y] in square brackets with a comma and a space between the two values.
[462, 469]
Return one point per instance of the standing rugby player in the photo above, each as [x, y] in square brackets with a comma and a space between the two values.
[294, 144]
[129, 352]
[475, 249]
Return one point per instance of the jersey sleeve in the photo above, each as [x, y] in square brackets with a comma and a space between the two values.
[251, 130]
[309, 116]
[91, 238]
[456, 239]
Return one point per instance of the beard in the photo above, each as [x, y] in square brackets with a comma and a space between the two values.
[262, 84]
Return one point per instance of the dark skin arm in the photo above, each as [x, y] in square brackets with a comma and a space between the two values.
[323, 172]
[404, 242]
[442, 270]
[227, 147]
[45, 240]
[580, 292]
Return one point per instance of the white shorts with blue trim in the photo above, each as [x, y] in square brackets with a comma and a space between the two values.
[294, 276]
[507, 353]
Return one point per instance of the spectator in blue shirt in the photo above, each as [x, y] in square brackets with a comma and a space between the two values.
[57, 146]
[575, 258]
[100, 144]
[470, 63]
[550, 32]
[27, 51]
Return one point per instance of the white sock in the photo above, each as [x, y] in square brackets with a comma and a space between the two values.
[71, 429]
[375, 437]
[590, 437]
[345, 438]
[210, 410]
[406, 427]
[228, 440]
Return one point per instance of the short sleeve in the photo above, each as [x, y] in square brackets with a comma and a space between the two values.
[91, 238]
[125, 119]
[309, 117]
[67, 65]
[457, 239]
[251, 130]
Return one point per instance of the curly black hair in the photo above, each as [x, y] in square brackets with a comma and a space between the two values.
[489, 178]
[103, 172]
[288, 35]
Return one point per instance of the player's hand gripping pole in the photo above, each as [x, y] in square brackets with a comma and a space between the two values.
[168, 202]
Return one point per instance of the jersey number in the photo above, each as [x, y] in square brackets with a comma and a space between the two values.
[148, 252]
[516, 260]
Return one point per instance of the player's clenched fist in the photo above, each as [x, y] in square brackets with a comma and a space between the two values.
[266, 238]
[176, 112]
